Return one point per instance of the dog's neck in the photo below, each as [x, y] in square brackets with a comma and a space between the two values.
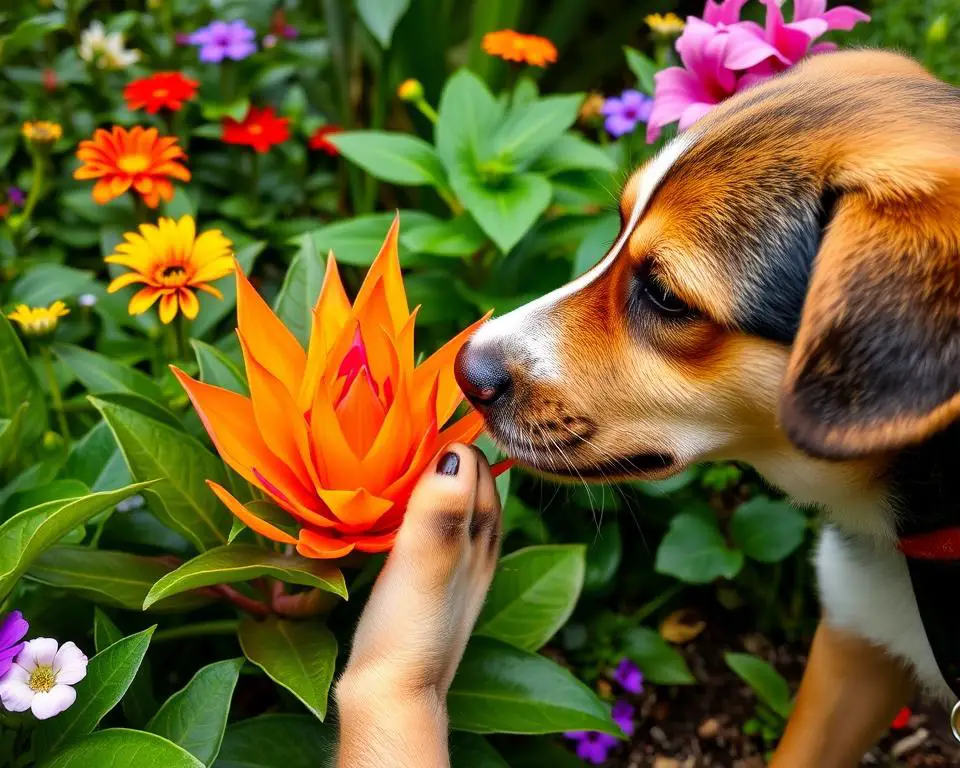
[924, 483]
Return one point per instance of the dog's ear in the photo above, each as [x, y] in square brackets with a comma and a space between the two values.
[875, 365]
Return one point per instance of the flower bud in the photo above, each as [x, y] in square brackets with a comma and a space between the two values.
[938, 29]
[410, 90]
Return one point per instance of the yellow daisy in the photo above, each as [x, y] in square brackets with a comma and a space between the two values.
[39, 321]
[41, 131]
[667, 25]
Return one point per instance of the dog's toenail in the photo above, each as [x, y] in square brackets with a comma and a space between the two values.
[449, 464]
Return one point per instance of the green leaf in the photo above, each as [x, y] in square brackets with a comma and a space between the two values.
[393, 157]
[242, 562]
[643, 67]
[10, 431]
[195, 717]
[458, 237]
[46, 283]
[596, 243]
[573, 153]
[99, 374]
[18, 384]
[276, 741]
[181, 205]
[300, 290]
[603, 558]
[502, 689]
[109, 674]
[765, 681]
[660, 662]
[533, 593]
[530, 128]
[218, 369]
[180, 498]
[381, 17]
[122, 748]
[357, 241]
[96, 461]
[139, 704]
[467, 750]
[212, 309]
[300, 656]
[27, 534]
[468, 114]
[508, 211]
[768, 530]
[29, 32]
[105, 577]
[694, 551]
[539, 751]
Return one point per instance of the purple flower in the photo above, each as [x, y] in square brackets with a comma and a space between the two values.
[224, 40]
[592, 746]
[622, 715]
[625, 112]
[12, 630]
[15, 195]
[629, 676]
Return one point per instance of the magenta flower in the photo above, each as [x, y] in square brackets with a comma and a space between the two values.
[625, 112]
[224, 40]
[622, 715]
[13, 628]
[592, 746]
[629, 676]
[725, 12]
[15, 195]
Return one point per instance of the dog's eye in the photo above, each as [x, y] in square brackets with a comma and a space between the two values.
[665, 301]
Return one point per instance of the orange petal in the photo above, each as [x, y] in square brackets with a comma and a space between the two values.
[320, 547]
[122, 281]
[142, 300]
[357, 510]
[248, 518]
[189, 304]
[371, 543]
[168, 307]
[386, 268]
[336, 461]
[275, 348]
[360, 414]
[464, 430]
[377, 329]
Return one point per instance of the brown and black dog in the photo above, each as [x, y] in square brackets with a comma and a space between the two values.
[784, 291]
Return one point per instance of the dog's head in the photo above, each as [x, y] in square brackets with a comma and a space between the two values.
[787, 272]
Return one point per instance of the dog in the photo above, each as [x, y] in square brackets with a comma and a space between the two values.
[784, 291]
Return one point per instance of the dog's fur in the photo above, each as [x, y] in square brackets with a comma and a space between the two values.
[812, 227]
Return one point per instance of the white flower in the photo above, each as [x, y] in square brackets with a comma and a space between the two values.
[86, 299]
[41, 678]
[106, 51]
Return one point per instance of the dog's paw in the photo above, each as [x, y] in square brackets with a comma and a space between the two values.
[427, 598]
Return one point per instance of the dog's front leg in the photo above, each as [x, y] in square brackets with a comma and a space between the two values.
[412, 634]
[850, 693]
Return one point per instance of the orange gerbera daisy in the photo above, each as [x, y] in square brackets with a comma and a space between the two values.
[260, 129]
[163, 90]
[338, 436]
[514, 46]
[139, 158]
[172, 261]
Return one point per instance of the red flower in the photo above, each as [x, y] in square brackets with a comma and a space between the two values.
[50, 79]
[260, 129]
[902, 720]
[163, 90]
[319, 139]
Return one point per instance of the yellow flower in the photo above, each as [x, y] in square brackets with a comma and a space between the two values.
[668, 25]
[410, 90]
[39, 321]
[42, 131]
[591, 107]
[172, 261]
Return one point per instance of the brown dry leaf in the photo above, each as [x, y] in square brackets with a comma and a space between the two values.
[682, 626]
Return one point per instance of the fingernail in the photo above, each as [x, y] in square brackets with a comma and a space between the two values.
[449, 464]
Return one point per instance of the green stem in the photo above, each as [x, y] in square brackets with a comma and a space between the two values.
[140, 210]
[55, 395]
[255, 182]
[183, 336]
[648, 609]
[36, 187]
[200, 629]
[426, 110]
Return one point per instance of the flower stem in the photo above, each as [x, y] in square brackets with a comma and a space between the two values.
[255, 182]
[200, 629]
[55, 395]
[182, 330]
[140, 208]
[426, 110]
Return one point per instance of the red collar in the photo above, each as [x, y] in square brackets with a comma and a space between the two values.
[936, 545]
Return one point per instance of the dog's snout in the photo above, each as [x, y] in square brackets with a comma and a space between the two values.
[482, 374]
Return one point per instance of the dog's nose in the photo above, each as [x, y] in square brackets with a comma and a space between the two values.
[482, 374]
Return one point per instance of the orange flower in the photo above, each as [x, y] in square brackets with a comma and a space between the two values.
[162, 90]
[338, 436]
[260, 129]
[139, 158]
[526, 49]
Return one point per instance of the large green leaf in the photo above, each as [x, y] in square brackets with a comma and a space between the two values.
[468, 750]
[122, 748]
[10, 431]
[395, 157]
[99, 373]
[105, 577]
[533, 593]
[212, 309]
[502, 689]
[242, 562]
[573, 153]
[46, 283]
[768, 530]
[29, 32]
[604, 553]
[357, 241]
[139, 704]
[661, 663]
[643, 67]
[381, 17]
[529, 129]
[195, 717]
[96, 461]
[300, 656]
[218, 369]
[596, 243]
[458, 237]
[505, 211]
[694, 551]
[29, 533]
[19, 384]
[300, 290]
[180, 464]
[766, 682]
[468, 114]
[277, 741]
[109, 674]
